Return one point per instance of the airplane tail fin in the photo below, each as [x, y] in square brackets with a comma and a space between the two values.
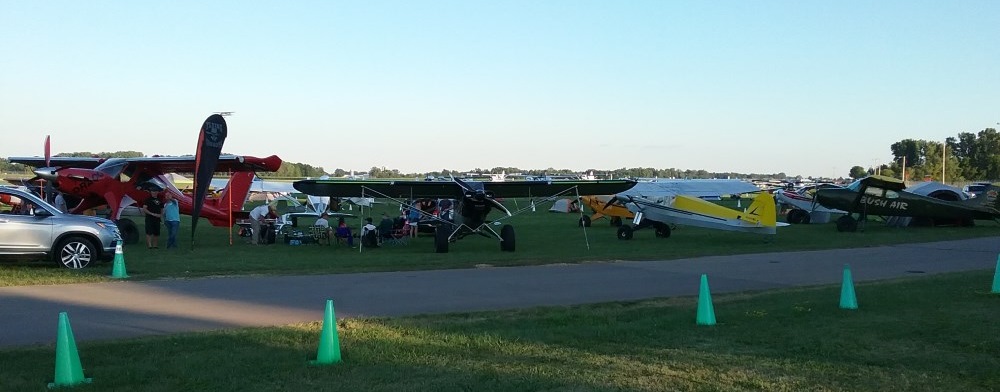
[762, 211]
[236, 190]
[988, 198]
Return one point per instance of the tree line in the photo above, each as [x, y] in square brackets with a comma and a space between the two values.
[966, 157]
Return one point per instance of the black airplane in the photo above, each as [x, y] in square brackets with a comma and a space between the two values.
[473, 200]
[885, 196]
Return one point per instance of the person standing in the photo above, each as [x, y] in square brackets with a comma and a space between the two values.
[257, 217]
[153, 209]
[60, 202]
[171, 218]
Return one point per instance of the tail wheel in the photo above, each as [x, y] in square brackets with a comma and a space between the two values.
[616, 221]
[129, 231]
[507, 238]
[847, 223]
[662, 230]
[441, 234]
[75, 252]
[584, 221]
[625, 232]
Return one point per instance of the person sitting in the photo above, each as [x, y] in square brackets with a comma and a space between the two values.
[343, 231]
[324, 223]
[369, 234]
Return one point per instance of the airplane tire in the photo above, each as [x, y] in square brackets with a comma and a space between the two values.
[662, 230]
[794, 216]
[625, 232]
[507, 238]
[129, 231]
[847, 223]
[441, 234]
[584, 221]
[805, 218]
[616, 221]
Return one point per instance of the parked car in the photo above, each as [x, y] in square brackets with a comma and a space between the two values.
[975, 189]
[31, 228]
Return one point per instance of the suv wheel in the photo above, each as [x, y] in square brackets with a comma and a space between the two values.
[75, 252]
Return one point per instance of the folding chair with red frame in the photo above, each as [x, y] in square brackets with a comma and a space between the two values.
[396, 236]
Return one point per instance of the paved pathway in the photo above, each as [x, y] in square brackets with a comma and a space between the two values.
[28, 314]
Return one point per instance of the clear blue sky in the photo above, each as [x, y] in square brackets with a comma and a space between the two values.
[803, 87]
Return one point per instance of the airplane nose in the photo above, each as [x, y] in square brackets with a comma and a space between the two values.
[46, 173]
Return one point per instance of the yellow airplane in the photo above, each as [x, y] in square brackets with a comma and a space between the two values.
[604, 206]
[663, 203]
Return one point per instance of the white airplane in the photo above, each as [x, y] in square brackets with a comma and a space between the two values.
[662, 203]
[803, 207]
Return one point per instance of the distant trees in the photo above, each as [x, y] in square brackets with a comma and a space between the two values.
[858, 172]
[969, 156]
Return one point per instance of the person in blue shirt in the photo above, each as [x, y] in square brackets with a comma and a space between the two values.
[171, 218]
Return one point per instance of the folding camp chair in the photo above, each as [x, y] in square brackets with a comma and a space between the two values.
[320, 234]
[395, 236]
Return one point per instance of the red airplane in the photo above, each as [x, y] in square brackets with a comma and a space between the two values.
[120, 182]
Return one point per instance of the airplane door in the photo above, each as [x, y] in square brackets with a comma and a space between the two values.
[24, 233]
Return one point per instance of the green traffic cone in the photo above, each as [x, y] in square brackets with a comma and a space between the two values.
[847, 298]
[996, 278]
[706, 312]
[118, 270]
[69, 372]
[329, 343]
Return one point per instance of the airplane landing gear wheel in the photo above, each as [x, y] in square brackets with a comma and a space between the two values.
[616, 221]
[846, 223]
[441, 234]
[805, 218]
[662, 230]
[625, 232]
[794, 216]
[584, 221]
[129, 231]
[507, 238]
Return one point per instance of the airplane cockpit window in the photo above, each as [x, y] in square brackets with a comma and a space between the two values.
[891, 194]
[855, 185]
[874, 191]
[112, 167]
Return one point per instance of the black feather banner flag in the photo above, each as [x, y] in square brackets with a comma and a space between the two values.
[213, 134]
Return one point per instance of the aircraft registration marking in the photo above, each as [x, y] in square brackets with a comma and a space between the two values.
[874, 201]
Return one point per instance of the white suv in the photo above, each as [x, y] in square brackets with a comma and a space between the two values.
[32, 228]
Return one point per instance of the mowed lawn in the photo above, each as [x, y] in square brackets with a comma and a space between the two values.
[936, 333]
[541, 238]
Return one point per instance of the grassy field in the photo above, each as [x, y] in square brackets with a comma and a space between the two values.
[920, 334]
[542, 237]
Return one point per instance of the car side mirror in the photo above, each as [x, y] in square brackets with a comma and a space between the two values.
[41, 212]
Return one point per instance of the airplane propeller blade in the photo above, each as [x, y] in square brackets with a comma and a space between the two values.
[48, 154]
[499, 206]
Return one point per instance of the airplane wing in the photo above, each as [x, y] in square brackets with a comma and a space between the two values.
[702, 188]
[450, 189]
[163, 164]
[86, 163]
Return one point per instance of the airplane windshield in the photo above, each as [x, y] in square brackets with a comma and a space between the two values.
[855, 186]
[112, 167]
